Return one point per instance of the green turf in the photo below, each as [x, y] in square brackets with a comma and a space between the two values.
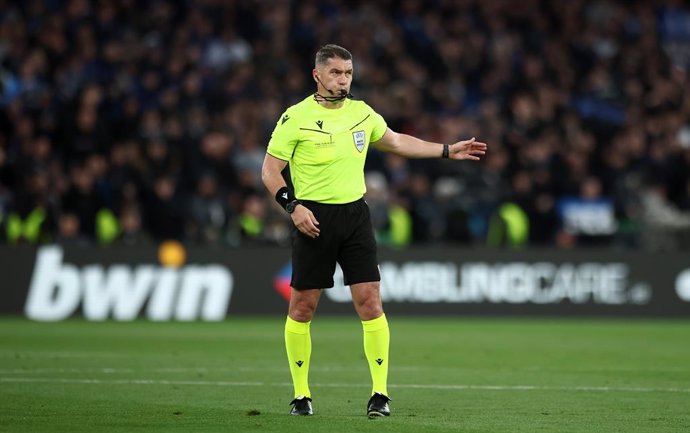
[470, 375]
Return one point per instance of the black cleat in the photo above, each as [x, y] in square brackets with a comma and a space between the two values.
[378, 406]
[301, 406]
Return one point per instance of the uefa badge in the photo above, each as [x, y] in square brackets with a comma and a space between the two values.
[360, 140]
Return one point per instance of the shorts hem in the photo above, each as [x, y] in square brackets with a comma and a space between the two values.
[363, 280]
[311, 286]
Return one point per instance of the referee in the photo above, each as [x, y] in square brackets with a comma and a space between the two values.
[325, 139]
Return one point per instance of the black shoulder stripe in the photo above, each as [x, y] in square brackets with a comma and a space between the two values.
[315, 130]
[358, 123]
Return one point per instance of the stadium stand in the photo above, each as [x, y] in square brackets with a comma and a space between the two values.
[132, 122]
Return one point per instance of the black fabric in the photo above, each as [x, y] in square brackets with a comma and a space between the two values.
[284, 196]
[346, 238]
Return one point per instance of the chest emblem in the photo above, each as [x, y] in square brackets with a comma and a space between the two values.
[359, 138]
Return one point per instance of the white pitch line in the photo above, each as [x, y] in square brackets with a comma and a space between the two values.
[126, 381]
[458, 387]
[103, 370]
[63, 354]
[70, 354]
[274, 369]
[181, 370]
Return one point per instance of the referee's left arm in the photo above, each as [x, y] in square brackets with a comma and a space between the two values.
[412, 147]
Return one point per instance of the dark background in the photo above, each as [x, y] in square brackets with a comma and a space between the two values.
[254, 270]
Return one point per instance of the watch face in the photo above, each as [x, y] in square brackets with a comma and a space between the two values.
[290, 207]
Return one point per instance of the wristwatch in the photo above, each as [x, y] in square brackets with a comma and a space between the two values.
[290, 207]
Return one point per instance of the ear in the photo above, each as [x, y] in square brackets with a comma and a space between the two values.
[314, 75]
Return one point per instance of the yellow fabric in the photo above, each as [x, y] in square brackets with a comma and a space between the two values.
[517, 223]
[509, 225]
[400, 226]
[376, 346]
[298, 346]
[251, 224]
[29, 229]
[326, 148]
[107, 226]
[15, 227]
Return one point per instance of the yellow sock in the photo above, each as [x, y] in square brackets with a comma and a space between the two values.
[376, 342]
[298, 345]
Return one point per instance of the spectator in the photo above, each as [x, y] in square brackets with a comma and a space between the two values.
[131, 231]
[252, 220]
[664, 226]
[83, 200]
[31, 216]
[210, 213]
[165, 212]
[69, 232]
[566, 93]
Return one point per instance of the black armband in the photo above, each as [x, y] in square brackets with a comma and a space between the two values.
[446, 151]
[285, 196]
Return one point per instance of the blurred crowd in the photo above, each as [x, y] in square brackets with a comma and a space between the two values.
[133, 121]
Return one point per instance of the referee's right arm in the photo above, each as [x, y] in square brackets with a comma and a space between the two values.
[271, 175]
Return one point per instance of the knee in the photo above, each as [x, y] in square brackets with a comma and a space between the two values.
[301, 314]
[302, 311]
[369, 308]
[371, 313]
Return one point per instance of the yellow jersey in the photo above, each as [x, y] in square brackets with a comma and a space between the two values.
[326, 148]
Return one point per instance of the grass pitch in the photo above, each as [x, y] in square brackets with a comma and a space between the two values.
[446, 375]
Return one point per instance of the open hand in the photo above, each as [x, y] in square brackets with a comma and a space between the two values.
[468, 149]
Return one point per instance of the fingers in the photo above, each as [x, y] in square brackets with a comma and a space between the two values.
[469, 145]
[472, 144]
[305, 222]
[312, 226]
[468, 149]
[476, 153]
[309, 230]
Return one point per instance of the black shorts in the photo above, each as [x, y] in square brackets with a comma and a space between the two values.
[347, 237]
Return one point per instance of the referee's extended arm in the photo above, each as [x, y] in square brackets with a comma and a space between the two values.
[415, 148]
[271, 175]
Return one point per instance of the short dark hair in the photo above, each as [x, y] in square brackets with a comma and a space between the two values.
[330, 51]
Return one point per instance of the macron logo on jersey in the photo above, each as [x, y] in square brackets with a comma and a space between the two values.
[284, 119]
[285, 195]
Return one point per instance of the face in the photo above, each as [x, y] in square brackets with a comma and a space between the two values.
[335, 75]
